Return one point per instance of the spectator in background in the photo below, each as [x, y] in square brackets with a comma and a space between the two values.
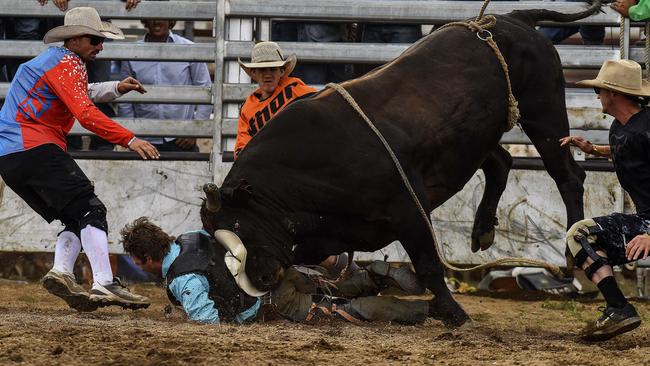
[3, 74]
[166, 73]
[387, 33]
[631, 9]
[591, 34]
[271, 70]
[314, 32]
[63, 4]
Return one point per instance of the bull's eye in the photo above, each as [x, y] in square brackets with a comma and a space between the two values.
[235, 226]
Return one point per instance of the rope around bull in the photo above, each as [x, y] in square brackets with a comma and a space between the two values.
[479, 25]
[555, 270]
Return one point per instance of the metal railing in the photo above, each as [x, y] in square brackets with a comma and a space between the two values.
[582, 111]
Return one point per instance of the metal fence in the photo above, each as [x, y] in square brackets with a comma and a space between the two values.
[229, 45]
[169, 191]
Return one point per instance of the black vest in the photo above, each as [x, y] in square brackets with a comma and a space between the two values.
[201, 254]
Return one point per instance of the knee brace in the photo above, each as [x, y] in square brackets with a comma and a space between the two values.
[95, 215]
[581, 248]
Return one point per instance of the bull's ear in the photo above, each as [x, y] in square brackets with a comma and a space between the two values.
[238, 196]
[242, 193]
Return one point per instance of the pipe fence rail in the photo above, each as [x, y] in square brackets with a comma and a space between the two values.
[583, 111]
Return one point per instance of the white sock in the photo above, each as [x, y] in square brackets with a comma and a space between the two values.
[66, 251]
[95, 244]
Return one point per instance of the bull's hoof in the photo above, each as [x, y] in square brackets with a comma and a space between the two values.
[482, 241]
[450, 313]
[468, 325]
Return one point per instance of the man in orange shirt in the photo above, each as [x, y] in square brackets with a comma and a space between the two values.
[271, 70]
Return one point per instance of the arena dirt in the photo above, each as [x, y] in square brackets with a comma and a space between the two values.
[36, 328]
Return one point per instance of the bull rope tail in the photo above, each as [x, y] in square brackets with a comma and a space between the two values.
[555, 270]
[621, 39]
[646, 51]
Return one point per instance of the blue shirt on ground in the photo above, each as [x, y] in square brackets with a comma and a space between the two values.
[192, 289]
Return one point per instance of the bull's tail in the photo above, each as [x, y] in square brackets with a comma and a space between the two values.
[534, 16]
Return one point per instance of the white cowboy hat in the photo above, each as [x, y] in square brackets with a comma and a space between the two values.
[82, 21]
[622, 76]
[236, 261]
[269, 54]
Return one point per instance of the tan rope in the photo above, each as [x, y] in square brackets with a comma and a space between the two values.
[646, 51]
[480, 13]
[621, 39]
[481, 25]
[555, 270]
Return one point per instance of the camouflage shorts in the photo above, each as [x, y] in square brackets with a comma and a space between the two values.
[616, 230]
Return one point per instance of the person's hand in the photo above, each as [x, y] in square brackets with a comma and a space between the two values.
[638, 246]
[185, 143]
[131, 4]
[144, 149]
[623, 6]
[61, 4]
[130, 84]
[582, 143]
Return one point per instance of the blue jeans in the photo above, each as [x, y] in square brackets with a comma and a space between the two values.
[391, 33]
[386, 33]
[591, 34]
[24, 29]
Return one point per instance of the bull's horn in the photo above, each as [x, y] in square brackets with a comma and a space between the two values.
[213, 198]
[236, 261]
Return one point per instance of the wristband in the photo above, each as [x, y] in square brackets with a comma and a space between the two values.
[130, 141]
[594, 150]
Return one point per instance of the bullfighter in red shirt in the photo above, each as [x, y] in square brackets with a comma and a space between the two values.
[47, 94]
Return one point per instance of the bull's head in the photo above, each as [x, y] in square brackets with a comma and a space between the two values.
[224, 213]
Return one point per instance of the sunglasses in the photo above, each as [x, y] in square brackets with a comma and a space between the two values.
[597, 90]
[95, 40]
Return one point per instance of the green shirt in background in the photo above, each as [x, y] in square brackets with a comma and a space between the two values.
[640, 11]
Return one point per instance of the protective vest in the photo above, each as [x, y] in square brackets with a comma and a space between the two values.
[201, 254]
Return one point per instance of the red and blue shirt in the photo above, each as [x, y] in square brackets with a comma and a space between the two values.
[46, 95]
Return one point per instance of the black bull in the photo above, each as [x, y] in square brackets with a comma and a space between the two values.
[316, 181]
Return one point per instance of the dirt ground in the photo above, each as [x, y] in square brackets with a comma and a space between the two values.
[37, 328]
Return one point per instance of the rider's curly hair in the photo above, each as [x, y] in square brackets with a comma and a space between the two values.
[143, 238]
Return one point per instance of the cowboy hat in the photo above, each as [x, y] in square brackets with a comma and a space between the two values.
[622, 76]
[82, 21]
[268, 54]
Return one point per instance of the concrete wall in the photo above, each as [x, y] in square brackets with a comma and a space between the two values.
[531, 213]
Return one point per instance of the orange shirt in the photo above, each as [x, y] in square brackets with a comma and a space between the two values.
[256, 113]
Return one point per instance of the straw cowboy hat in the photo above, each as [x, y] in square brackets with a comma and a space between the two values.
[268, 54]
[622, 76]
[82, 21]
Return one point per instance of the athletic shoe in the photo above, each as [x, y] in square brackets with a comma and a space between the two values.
[65, 286]
[115, 293]
[613, 322]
